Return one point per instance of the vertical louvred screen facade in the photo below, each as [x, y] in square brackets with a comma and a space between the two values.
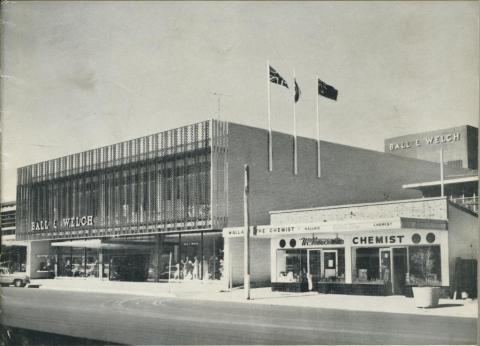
[158, 183]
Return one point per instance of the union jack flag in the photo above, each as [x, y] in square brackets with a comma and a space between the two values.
[276, 78]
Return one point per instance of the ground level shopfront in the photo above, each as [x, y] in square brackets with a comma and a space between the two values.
[13, 254]
[373, 257]
[156, 257]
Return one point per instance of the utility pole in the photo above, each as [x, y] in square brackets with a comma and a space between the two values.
[246, 236]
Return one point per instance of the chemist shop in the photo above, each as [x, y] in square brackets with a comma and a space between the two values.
[380, 257]
[367, 257]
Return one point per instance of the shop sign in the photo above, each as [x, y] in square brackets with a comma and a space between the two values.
[313, 241]
[233, 232]
[262, 230]
[410, 237]
[325, 227]
[69, 222]
[445, 138]
[191, 243]
[378, 240]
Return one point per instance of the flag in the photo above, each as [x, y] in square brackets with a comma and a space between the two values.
[327, 90]
[298, 92]
[276, 78]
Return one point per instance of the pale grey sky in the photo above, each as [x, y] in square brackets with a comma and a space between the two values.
[79, 75]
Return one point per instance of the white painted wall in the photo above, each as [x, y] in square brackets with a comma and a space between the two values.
[260, 269]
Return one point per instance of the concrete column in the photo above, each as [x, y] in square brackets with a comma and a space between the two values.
[273, 259]
[34, 250]
[348, 264]
[444, 256]
[100, 263]
[226, 263]
[156, 257]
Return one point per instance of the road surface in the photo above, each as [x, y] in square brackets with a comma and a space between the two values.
[130, 319]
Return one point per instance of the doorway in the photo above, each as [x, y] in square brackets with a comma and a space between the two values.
[385, 266]
[314, 266]
[330, 263]
[400, 266]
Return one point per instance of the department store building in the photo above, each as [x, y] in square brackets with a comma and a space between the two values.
[156, 205]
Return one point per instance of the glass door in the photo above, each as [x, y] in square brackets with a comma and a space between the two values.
[330, 263]
[385, 265]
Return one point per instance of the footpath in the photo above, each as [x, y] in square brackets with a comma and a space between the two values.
[215, 291]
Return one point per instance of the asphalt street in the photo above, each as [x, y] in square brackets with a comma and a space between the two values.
[130, 319]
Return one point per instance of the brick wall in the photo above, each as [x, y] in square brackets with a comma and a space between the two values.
[431, 208]
[349, 175]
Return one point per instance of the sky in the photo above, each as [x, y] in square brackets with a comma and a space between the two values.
[80, 75]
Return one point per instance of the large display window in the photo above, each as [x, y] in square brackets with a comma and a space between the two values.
[366, 265]
[77, 262]
[292, 265]
[376, 265]
[425, 266]
[14, 257]
[195, 256]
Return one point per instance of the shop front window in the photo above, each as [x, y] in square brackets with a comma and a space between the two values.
[191, 261]
[366, 265]
[425, 266]
[46, 263]
[14, 257]
[291, 265]
[77, 262]
[92, 263]
[194, 257]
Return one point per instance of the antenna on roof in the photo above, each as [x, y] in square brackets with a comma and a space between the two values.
[219, 102]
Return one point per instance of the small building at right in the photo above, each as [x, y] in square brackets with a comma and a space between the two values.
[374, 248]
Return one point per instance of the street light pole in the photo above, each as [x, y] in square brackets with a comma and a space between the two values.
[246, 236]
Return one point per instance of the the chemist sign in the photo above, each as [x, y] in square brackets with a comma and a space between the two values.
[407, 237]
[396, 239]
[68, 222]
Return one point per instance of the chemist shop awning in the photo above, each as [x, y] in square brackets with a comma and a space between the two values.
[394, 223]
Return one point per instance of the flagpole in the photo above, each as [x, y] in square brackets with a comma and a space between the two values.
[441, 174]
[270, 163]
[295, 162]
[319, 168]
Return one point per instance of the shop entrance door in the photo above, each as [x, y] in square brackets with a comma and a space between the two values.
[330, 260]
[385, 266]
[400, 270]
[314, 265]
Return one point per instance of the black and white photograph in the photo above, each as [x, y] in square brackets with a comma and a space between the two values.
[239, 172]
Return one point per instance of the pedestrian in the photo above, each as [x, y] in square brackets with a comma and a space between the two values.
[184, 268]
[205, 269]
[176, 275]
[189, 269]
[196, 265]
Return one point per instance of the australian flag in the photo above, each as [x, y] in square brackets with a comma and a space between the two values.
[327, 91]
[276, 78]
[298, 92]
